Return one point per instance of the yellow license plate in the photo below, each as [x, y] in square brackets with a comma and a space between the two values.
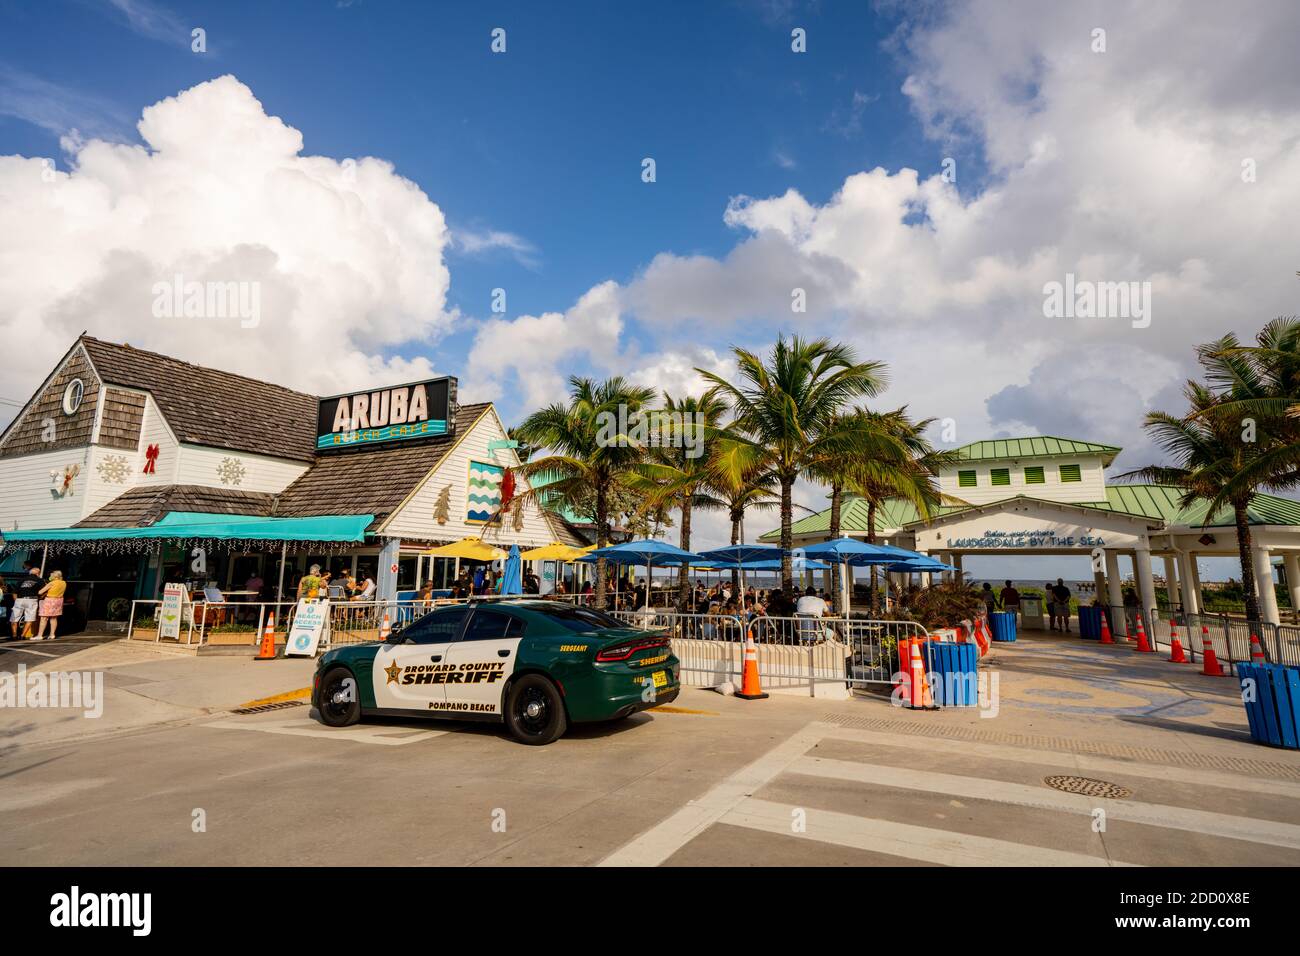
[660, 678]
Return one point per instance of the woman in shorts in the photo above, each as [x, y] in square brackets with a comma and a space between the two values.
[51, 608]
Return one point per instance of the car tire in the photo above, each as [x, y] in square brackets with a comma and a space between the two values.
[535, 711]
[338, 713]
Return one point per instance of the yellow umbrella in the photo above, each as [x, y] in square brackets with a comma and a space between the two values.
[554, 552]
[471, 548]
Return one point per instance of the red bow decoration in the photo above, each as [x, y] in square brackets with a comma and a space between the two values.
[151, 459]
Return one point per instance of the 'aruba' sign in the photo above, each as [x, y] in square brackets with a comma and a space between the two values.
[401, 413]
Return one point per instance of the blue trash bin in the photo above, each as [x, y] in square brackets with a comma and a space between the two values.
[952, 670]
[1090, 622]
[1003, 626]
[1274, 713]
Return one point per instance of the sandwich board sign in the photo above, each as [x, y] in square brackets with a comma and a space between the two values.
[308, 625]
[169, 615]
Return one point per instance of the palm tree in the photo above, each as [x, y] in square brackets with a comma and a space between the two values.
[1208, 456]
[913, 476]
[741, 483]
[680, 474]
[1260, 387]
[786, 410]
[588, 457]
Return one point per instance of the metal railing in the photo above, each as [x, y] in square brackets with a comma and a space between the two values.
[792, 651]
[1230, 636]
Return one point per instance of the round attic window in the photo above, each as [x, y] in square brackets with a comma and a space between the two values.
[72, 396]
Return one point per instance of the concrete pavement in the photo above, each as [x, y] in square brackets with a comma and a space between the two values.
[710, 780]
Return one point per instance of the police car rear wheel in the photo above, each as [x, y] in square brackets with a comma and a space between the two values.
[534, 710]
[339, 705]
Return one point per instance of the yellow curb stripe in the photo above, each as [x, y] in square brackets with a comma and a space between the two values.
[302, 693]
[669, 709]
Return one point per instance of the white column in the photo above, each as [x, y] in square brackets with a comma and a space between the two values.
[1291, 561]
[1146, 586]
[1114, 597]
[1171, 581]
[1264, 585]
[1191, 600]
[386, 577]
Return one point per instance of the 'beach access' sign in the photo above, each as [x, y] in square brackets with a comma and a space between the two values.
[420, 410]
[308, 625]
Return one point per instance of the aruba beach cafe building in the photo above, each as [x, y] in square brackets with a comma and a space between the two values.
[128, 469]
[1044, 495]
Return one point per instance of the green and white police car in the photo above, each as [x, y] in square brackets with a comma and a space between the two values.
[534, 665]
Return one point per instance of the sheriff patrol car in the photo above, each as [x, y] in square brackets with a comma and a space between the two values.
[534, 665]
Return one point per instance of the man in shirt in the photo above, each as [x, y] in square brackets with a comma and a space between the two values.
[1061, 597]
[810, 605]
[26, 599]
[1010, 598]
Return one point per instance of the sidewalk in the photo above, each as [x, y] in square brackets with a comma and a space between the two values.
[145, 687]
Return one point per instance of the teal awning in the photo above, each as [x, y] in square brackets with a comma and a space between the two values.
[197, 525]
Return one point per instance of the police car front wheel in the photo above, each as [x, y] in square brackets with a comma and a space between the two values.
[339, 704]
[535, 711]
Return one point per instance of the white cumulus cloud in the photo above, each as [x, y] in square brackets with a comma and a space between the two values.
[347, 255]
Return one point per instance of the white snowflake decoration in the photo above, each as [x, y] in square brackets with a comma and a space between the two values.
[231, 471]
[113, 469]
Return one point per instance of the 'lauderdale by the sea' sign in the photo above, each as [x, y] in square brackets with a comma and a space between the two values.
[1029, 539]
[400, 413]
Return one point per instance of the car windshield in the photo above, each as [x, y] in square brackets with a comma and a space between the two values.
[579, 619]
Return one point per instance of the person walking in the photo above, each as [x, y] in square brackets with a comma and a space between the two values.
[51, 608]
[26, 597]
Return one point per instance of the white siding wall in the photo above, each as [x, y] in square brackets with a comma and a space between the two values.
[154, 431]
[25, 498]
[1092, 487]
[198, 466]
[416, 518]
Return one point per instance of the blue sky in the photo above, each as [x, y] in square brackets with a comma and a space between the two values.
[776, 171]
[544, 142]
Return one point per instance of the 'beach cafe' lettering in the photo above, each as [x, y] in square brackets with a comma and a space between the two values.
[1028, 539]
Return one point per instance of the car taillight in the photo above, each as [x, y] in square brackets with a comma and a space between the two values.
[621, 652]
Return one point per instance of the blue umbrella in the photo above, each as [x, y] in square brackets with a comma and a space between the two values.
[645, 551]
[512, 581]
[851, 551]
[742, 555]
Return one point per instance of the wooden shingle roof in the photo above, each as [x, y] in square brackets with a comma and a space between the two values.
[205, 406]
[141, 507]
[370, 482]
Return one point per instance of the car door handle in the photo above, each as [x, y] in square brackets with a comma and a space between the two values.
[435, 658]
[503, 653]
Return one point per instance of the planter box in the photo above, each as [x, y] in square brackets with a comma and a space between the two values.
[1274, 714]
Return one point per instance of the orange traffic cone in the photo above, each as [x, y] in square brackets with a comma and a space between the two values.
[1105, 630]
[750, 687]
[385, 628]
[1211, 666]
[266, 652]
[1143, 645]
[1256, 650]
[1176, 655]
[916, 678]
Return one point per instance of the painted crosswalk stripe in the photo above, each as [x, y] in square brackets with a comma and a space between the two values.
[662, 841]
[384, 736]
[1045, 798]
[963, 748]
[904, 840]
